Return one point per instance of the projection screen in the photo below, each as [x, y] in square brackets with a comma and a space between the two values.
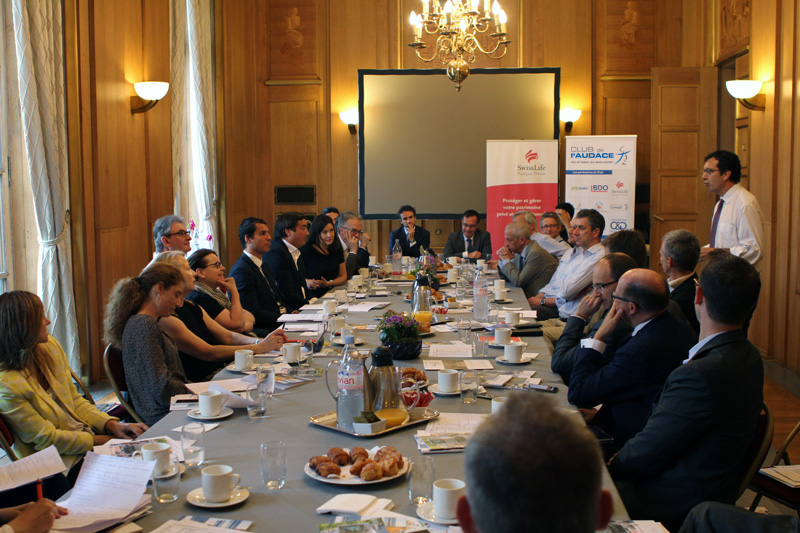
[423, 143]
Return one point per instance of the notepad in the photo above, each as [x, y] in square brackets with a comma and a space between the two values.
[28, 469]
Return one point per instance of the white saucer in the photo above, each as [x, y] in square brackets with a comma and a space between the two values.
[232, 368]
[281, 359]
[340, 342]
[426, 512]
[495, 345]
[503, 361]
[182, 468]
[195, 413]
[196, 497]
[435, 389]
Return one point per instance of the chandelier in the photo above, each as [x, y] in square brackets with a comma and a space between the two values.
[457, 24]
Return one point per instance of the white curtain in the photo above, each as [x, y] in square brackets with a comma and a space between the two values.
[38, 39]
[193, 116]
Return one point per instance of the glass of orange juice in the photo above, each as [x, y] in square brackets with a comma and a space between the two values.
[423, 316]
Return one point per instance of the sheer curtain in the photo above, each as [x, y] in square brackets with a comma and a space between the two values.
[38, 41]
[193, 140]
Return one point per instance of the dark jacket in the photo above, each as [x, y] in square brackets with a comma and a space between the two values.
[290, 278]
[422, 239]
[481, 242]
[683, 295]
[258, 294]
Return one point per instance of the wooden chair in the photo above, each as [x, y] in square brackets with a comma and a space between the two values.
[7, 440]
[112, 362]
[775, 490]
[79, 383]
[758, 449]
[118, 411]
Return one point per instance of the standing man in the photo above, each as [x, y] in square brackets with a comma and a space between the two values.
[411, 237]
[737, 223]
[354, 242]
[549, 244]
[680, 251]
[523, 262]
[469, 243]
[169, 234]
[291, 232]
[258, 291]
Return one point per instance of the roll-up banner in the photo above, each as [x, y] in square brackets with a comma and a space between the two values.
[600, 173]
[520, 175]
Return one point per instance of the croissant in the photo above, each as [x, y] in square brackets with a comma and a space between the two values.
[338, 456]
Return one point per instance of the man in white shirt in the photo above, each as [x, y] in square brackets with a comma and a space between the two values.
[354, 242]
[556, 248]
[737, 222]
[170, 234]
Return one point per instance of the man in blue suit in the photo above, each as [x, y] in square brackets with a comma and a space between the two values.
[291, 232]
[694, 446]
[411, 237]
[470, 242]
[627, 384]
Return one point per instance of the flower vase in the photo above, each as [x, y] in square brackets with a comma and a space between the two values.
[404, 350]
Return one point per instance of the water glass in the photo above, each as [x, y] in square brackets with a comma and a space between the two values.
[479, 345]
[273, 464]
[193, 443]
[420, 479]
[263, 372]
[256, 397]
[167, 483]
[468, 385]
[461, 289]
[463, 326]
[494, 314]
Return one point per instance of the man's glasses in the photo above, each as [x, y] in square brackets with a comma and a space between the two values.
[615, 297]
[179, 233]
[550, 226]
[213, 265]
[356, 231]
[601, 286]
[708, 171]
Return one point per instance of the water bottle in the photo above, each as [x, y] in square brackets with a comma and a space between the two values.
[354, 391]
[397, 258]
[480, 297]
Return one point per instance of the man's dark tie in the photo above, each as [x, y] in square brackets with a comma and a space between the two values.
[469, 245]
[714, 223]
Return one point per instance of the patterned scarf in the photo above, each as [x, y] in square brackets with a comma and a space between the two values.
[221, 298]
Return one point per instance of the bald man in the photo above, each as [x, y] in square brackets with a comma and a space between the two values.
[627, 384]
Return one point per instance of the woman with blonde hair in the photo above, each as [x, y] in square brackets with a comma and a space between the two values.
[204, 345]
[153, 369]
[38, 399]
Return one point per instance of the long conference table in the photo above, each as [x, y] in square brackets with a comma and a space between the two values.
[236, 441]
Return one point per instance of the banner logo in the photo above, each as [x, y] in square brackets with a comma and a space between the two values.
[618, 224]
[599, 188]
[531, 155]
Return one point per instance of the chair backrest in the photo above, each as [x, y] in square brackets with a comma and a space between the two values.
[7, 439]
[759, 447]
[79, 383]
[112, 362]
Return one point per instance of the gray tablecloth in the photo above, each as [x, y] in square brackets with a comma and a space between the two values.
[236, 442]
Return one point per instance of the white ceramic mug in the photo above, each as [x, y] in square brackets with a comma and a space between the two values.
[155, 451]
[448, 380]
[243, 359]
[291, 352]
[513, 352]
[452, 275]
[481, 263]
[345, 331]
[341, 296]
[452, 260]
[373, 260]
[500, 294]
[502, 336]
[352, 285]
[512, 317]
[218, 483]
[211, 402]
[329, 307]
[336, 323]
[499, 284]
[358, 279]
[497, 403]
[446, 493]
[387, 267]
[363, 272]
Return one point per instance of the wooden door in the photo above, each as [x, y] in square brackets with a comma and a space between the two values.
[684, 130]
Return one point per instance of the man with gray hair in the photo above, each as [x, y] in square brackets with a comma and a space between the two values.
[523, 262]
[680, 251]
[170, 235]
[354, 242]
[531, 466]
[548, 243]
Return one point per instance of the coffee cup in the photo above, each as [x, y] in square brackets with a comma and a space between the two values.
[291, 352]
[329, 307]
[358, 279]
[352, 284]
[481, 263]
[513, 352]
[346, 331]
[500, 294]
[373, 260]
[502, 336]
[448, 380]
[341, 295]
[387, 267]
[363, 272]
[512, 317]
[499, 284]
[452, 260]
[243, 359]
[211, 402]
[336, 323]
[155, 451]
[497, 403]
[218, 483]
[452, 275]
[446, 493]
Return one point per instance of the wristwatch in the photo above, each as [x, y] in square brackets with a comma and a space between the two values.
[544, 301]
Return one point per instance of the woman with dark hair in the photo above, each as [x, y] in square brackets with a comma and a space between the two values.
[211, 289]
[38, 399]
[153, 369]
[204, 345]
[323, 256]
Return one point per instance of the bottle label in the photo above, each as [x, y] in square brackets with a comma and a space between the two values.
[481, 291]
[353, 380]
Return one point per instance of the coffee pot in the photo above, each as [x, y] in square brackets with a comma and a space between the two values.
[388, 386]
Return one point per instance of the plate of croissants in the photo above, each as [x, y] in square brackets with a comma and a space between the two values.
[357, 466]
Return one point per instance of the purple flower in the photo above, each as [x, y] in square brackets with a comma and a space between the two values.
[209, 238]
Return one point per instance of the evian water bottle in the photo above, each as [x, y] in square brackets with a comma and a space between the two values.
[354, 392]
[480, 297]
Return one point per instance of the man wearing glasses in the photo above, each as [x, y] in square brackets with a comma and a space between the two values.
[354, 242]
[169, 234]
[470, 242]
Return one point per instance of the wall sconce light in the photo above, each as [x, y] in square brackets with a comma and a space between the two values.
[350, 117]
[568, 116]
[747, 93]
[149, 91]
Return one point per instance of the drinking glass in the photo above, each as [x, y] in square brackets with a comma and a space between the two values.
[420, 479]
[167, 484]
[256, 397]
[463, 327]
[461, 289]
[263, 372]
[494, 314]
[468, 385]
[479, 345]
[193, 443]
[273, 464]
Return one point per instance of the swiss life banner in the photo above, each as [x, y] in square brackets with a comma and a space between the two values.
[520, 175]
[600, 173]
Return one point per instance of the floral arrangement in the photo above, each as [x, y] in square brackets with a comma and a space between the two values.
[194, 231]
[397, 327]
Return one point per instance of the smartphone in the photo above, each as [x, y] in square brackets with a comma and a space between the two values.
[543, 388]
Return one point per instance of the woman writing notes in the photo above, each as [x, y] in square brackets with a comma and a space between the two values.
[323, 257]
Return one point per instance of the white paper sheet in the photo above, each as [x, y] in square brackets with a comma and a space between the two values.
[433, 364]
[232, 400]
[175, 526]
[450, 350]
[454, 423]
[478, 364]
[40, 465]
[231, 385]
[302, 317]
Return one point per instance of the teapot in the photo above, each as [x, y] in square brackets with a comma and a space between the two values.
[388, 388]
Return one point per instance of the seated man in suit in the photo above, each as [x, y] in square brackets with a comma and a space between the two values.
[411, 237]
[354, 242]
[605, 277]
[470, 242]
[627, 384]
[532, 467]
[291, 232]
[680, 251]
[693, 447]
[332, 212]
[554, 247]
[258, 291]
[523, 262]
[713, 517]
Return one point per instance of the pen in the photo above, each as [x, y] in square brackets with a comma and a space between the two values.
[39, 489]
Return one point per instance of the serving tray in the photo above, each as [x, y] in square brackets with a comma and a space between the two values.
[328, 421]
